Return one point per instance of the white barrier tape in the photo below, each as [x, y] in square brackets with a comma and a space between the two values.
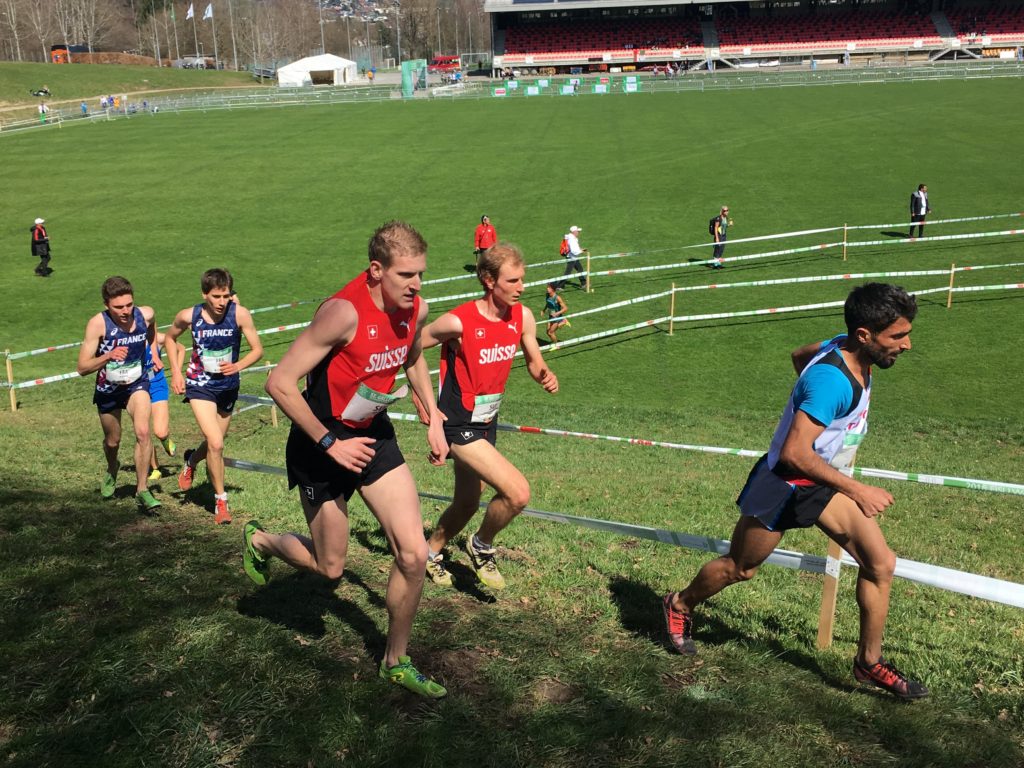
[46, 380]
[971, 288]
[937, 221]
[973, 585]
[43, 350]
[289, 305]
[935, 238]
[848, 276]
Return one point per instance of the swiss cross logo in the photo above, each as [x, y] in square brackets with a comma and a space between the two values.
[371, 331]
[480, 333]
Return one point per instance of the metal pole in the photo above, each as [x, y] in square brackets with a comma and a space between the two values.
[440, 48]
[398, 31]
[231, 21]
[456, 10]
[320, 8]
[174, 23]
[348, 34]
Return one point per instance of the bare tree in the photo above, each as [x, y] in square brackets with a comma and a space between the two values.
[10, 10]
[41, 22]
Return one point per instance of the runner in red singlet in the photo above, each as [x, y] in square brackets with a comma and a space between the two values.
[342, 440]
[481, 338]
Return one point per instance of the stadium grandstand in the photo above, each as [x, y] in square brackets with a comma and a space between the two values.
[578, 36]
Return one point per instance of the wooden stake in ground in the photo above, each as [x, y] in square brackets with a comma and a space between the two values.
[952, 276]
[273, 406]
[829, 594]
[844, 241]
[10, 380]
[671, 309]
[590, 280]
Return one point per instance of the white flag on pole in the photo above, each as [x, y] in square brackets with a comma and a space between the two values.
[208, 13]
[190, 13]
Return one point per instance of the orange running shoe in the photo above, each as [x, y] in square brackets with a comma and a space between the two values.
[221, 515]
[884, 675]
[188, 472]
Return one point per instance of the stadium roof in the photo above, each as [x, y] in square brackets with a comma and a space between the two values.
[511, 6]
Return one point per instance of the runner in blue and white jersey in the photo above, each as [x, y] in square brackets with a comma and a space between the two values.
[798, 483]
[117, 348]
[211, 380]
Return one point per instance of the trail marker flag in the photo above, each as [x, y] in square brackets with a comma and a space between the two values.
[190, 14]
[208, 13]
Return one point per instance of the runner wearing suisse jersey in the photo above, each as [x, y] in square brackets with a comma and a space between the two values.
[342, 440]
[117, 348]
[799, 484]
[480, 340]
[210, 384]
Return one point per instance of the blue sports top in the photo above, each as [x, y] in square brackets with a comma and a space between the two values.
[213, 344]
[116, 375]
[830, 394]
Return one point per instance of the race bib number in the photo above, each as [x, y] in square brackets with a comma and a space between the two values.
[485, 408]
[213, 359]
[124, 373]
[366, 403]
[844, 456]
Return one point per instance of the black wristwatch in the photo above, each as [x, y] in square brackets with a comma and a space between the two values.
[327, 441]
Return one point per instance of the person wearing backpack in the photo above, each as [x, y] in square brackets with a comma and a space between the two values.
[571, 251]
[718, 228]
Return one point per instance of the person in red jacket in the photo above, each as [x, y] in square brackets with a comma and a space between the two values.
[484, 237]
[41, 248]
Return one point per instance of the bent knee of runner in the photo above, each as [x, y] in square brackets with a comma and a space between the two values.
[738, 572]
[412, 560]
[880, 567]
[331, 569]
[518, 495]
[215, 444]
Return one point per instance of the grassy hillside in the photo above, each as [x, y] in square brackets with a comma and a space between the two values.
[89, 81]
[129, 641]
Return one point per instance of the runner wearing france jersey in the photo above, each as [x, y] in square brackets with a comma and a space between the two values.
[798, 483]
[117, 348]
[480, 339]
[211, 380]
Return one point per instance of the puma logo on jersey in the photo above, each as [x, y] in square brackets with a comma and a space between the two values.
[512, 327]
[404, 324]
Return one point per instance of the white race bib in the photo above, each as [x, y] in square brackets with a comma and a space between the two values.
[367, 403]
[124, 373]
[485, 408]
[844, 456]
[213, 359]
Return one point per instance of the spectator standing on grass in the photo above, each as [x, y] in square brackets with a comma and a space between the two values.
[342, 440]
[41, 248]
[43, 110]
[85, 109]
[480, 340]
[572, 252]
[799, 482]
[484, 237]
[720, 230]
[117, 348]
[919, 209]
[211, 380]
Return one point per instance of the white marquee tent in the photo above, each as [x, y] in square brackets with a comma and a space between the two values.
[326, 69]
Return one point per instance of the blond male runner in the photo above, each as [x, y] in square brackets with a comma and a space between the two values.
[480, 341]
[342, 440]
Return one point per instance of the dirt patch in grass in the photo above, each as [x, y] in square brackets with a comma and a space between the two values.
[146, 526]
[550, 690]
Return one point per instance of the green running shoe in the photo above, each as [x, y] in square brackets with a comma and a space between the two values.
[436, 571]
[147, 501]
[254, 562]
[108, 486]
[407, 676]
[482, 560]
[169, 446]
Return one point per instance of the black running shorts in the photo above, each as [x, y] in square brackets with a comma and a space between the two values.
[466, 434]
[779, 505]
[320, 478]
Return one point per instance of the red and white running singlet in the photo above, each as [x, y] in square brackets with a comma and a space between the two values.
[353, 383]
[474, 370]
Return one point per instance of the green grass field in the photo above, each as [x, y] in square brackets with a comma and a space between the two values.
[128, 641]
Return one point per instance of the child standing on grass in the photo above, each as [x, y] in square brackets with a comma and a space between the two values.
[554, 308]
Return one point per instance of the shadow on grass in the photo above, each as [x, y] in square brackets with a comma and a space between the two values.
[301, 602]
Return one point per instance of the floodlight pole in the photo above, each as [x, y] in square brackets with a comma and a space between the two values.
[320, 8]
[398, 30]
